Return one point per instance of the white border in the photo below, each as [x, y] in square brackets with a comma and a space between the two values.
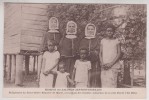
[63, 1]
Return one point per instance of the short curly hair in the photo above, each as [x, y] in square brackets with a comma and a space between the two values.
[111, 26]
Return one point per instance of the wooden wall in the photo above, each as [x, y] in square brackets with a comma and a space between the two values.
[25, 26]
[12, 28]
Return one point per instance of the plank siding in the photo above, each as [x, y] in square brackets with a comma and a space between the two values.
[24, 27]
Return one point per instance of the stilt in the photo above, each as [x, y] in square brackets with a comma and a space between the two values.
[8, 68]
[4, 63]
[19, 70]
[39, 66]
[27, 58]
[13, 68]
[34, 62]
[132, 73]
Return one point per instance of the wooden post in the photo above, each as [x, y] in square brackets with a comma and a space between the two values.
[39, 66]
[34, 62]
[19, 70]
[27, 58]
[132, 73]
[8, 68]
[13, 68]
[4, 64]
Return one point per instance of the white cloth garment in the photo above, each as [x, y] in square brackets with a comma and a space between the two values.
[82, 69]
[109, 77]
[61, 80]
[51, 58]
[109, 51]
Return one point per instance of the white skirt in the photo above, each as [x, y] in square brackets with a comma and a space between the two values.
[46, 81]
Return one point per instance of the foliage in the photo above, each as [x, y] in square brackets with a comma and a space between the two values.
[130, 23]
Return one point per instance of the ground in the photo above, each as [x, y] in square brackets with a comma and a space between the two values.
[30, 81]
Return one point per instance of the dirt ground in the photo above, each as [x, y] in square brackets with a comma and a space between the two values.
[30, 81]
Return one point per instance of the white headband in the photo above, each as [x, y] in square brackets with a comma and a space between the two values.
[86, 34]
[50, 23]
[71, 22]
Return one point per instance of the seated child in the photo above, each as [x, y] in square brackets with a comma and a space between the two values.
[62, 77]
[82, 70]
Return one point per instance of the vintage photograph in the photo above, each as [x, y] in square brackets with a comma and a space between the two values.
[74, 45]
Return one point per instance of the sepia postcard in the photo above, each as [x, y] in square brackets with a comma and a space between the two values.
[74, 50]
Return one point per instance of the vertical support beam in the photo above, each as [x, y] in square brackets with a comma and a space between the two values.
[4, 66]
[34, 62]
[27, 58]
[19, 70]
[132, 73]
[8, 68]
[39, 66]
[13, 68]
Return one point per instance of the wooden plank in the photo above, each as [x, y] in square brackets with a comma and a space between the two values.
[32, 10]
[36, 22]
[12, 39]
[14, 50]
[33, 33]
[29, 48]
[12, 11]
[31, 39]
[12, 44]
[34, 17]
[31, 26]
[13, 30]
[41, 6]
[15, 17]
[12, 21]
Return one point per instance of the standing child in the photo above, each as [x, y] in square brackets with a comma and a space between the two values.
[90, 42]
[52, 34]
[109, 57]
[62, 77]
[81, 71]
[49, 63]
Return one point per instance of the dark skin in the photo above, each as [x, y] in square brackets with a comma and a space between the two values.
[51, 48]
[110, 33]
[62, 70]
[83, 57]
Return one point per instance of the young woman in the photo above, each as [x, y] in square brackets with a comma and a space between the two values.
[109, 57]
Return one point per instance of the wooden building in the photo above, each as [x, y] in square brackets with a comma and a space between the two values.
[24, 29]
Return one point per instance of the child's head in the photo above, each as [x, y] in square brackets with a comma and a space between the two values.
[71, 27]
[83, 53]
[51, 45]
[90, 30]
[62, 67]
[110, 29]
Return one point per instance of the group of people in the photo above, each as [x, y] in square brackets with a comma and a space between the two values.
[88, 62]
